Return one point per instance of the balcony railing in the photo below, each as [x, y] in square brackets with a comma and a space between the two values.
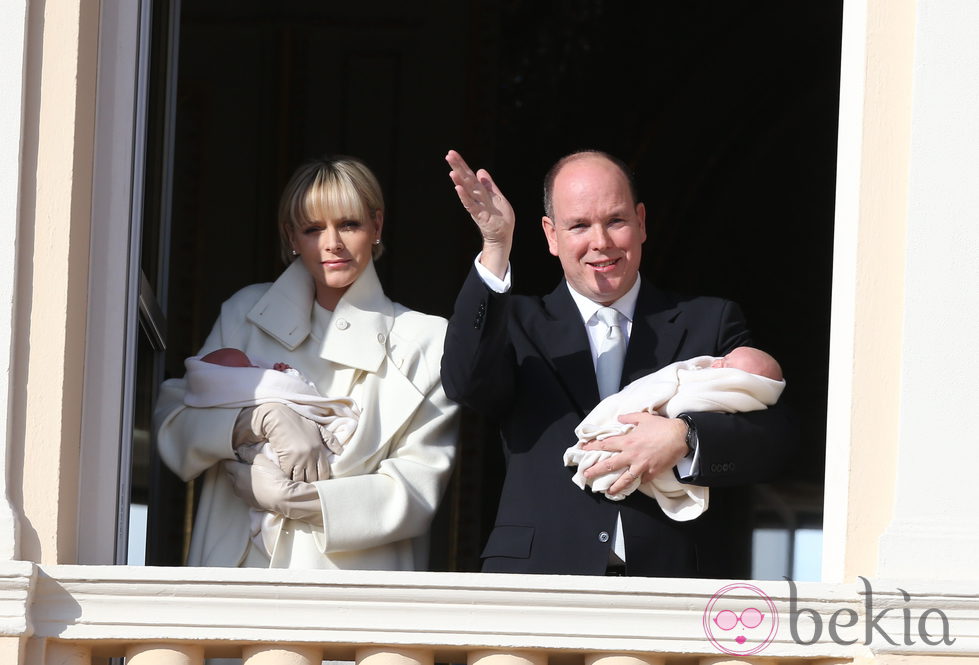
[76, 615]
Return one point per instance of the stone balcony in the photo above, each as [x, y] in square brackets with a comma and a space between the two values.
[77, 615]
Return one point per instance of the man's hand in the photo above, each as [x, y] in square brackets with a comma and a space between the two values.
[263, 486]
[296, 441]
[654, 444]
[488, 208]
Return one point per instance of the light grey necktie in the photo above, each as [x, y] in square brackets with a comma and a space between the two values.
[611, 353]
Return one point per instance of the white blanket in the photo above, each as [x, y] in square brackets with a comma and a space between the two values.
[211, 385]
[682, 387]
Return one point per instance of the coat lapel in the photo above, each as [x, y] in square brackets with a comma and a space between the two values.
[564, 343]
[656, 334]
[356, 341]
[361, 323]
[284, 311]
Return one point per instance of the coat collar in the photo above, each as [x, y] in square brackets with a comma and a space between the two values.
[358, 330]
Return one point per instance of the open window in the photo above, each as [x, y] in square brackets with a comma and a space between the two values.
[727, 115]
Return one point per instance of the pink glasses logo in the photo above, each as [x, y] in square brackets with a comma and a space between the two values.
[740, 619]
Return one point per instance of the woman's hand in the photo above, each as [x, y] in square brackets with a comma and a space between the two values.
[488, 208]
[263, 486]
[296, 441]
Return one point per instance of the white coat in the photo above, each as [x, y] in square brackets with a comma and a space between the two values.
[385, 487]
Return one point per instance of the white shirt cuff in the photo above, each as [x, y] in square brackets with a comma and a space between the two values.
[689, 465]
[491, 280]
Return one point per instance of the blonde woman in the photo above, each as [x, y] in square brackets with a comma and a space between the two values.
[328, 314]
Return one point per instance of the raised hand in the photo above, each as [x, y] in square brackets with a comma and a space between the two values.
[488, 207]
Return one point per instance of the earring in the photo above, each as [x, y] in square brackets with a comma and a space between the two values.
[295, 253]
[377, 241]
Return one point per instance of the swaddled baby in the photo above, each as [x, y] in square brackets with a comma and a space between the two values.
[229, 378]
[746, 379]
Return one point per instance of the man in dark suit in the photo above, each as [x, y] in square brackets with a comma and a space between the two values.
[530, 363]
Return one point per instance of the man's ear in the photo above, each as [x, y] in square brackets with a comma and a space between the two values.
[550, 233]
[641, 214]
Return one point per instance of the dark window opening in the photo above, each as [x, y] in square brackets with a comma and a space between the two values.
[727, 113]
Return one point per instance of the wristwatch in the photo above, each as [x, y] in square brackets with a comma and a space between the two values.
[691, 439]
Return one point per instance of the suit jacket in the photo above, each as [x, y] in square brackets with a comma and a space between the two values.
[387, 483]
[525, 362]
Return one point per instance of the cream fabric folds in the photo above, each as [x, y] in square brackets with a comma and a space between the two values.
[682, 387]
[211, 385]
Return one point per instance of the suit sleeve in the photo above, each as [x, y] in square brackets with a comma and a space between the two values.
[478, 363]
[741, 448]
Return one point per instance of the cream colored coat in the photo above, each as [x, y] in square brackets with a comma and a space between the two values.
[385, 487]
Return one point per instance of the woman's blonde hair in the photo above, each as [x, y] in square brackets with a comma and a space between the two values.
[334, 185]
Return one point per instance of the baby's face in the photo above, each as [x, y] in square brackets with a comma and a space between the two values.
[750, 360]
[737, 359]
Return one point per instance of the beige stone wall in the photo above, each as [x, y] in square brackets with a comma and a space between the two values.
[51, 291]
[868, 289]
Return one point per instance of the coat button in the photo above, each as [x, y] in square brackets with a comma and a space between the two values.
[381, 338]
[603, 537]
[342, 324]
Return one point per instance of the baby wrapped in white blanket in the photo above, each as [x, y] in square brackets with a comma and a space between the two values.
[229, 378]
[744, 380]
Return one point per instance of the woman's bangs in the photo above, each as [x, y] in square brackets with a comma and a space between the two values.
[334, 199]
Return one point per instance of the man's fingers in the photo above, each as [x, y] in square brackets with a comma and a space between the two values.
[461, 174]
[633, 418]
[609, 444]
[624, 481]
[456, 161]
[486, 180]
[464, 197]
[608, 465]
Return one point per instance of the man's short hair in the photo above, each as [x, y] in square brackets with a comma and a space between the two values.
[575, 156]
